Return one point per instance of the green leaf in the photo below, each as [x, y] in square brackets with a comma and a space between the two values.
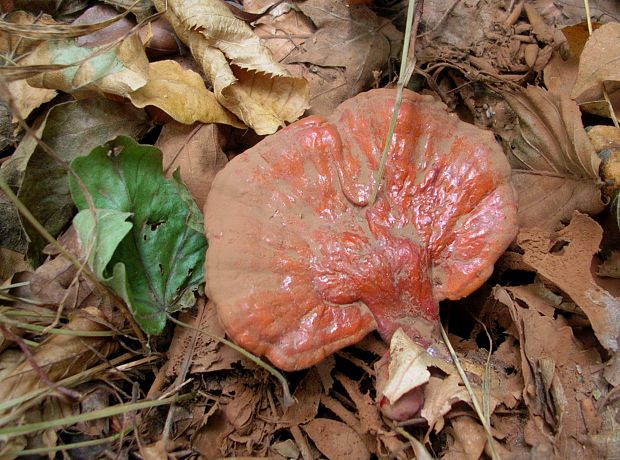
[71, 129]
[100, 233]
[158, 264]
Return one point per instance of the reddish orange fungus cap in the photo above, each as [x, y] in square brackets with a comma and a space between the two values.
[301, 265]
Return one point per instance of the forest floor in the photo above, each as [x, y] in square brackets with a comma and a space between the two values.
[122, 357]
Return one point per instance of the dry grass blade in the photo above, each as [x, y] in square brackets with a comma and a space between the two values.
[407, 65]
[57, 357]
[66, 447]
[479, 410]
[12, 431]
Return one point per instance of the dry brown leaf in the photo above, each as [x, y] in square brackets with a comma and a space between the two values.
[568, 12]
[346, 54]
[569, 269]
[13, 46]
[245, 78]
[28, 98]
[558, 373]
[555, 167]
[367, 410]
[197, 151]
[560, 74]
[258, 6]
[599, 65]
[308, 395]
[283, 33]
[336, 440]
[439, 396]
[468, 439]
[206, 354]
[182, 94]
[11, 262]
[60, 356]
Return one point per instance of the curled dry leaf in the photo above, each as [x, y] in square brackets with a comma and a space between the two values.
[245, 78]
[555, 166]
[599, 66]
[59, 357]
[408, 366]
[569, 268]
[182, 94]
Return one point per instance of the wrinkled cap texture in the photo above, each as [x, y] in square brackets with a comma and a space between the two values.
[301, 265]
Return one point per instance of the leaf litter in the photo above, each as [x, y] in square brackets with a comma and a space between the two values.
[68, 345]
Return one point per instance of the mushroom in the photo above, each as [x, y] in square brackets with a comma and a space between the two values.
[300, 264]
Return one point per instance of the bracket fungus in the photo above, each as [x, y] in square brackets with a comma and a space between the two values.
[300, 264]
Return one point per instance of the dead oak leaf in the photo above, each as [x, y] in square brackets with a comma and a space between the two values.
[569, 268]
[555, 166]
[336, 439]
[557, 372]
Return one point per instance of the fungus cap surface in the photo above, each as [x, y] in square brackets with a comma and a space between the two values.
[299, 263]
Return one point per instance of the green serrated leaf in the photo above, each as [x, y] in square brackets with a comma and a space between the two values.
[160, 261]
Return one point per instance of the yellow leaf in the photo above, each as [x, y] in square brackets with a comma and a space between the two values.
[245, 77]
[182, 94]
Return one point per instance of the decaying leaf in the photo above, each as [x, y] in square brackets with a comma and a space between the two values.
[408, 366]
[157, 267]
[346, 54]
[182, 94]
[599, 66]
[120, 70]
[245, 78]
[569, 269]
[196, 150]
[336, 440]
[558, 374]
[555, 167]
